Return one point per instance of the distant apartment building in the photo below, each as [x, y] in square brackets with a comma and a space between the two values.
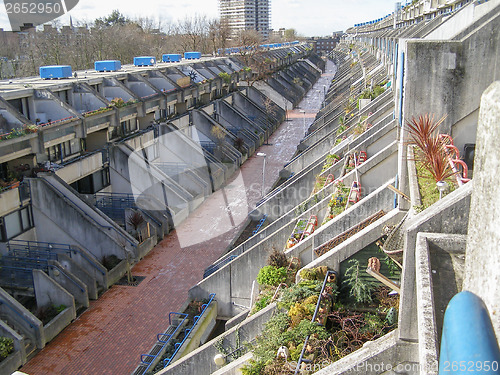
[244, 15]
[324, 45]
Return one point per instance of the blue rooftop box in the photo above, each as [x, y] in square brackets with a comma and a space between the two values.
[144, 61]
[171, 57]
[192, 55]
[55, 71]
[107, 65]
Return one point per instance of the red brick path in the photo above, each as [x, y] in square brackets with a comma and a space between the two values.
[110, 335]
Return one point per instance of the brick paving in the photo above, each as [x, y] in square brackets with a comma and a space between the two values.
[108, 338]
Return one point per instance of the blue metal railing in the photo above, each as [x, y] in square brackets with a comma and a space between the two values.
[178, 345]
[52, 247]
[269, 195]
[259, 225]
[160, 338]
[24, 263]
[16, 277]
[114, 205]
[91, 218]
[468, 342]
[327, 276]
[7, 304]
[216, 266]
[148, 360]
[208, 146]
[28, 253]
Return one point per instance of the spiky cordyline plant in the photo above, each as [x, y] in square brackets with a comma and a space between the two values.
[432, 152]
[435, 159]
[421, 129]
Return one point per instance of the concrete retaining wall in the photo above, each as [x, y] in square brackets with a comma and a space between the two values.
[247, 331]
[482, 262]
[448, 215]
[20, 319]
[61, 220]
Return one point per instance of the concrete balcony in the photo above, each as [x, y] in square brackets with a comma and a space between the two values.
[9, 199]
[99, 119]
[78, 168]
[14, 148]
[129, 111]
[59, 131]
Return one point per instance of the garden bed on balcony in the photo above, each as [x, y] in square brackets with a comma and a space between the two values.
[348, 314]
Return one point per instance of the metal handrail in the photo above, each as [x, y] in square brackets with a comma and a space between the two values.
[299, 362]
[468, 337]
[67, 276]
[216, 266]
[50, 247]
[5, 303]
[178, 345]
[261, 223]
[130, 198]
[149, 364]
[22, 242]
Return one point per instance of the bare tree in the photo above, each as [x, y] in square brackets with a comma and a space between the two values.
[218, 34]
[195, 31]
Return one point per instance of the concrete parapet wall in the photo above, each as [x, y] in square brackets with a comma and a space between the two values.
[146, 246]
[48, 292]
[448, 215]
[200, 361]
[60, 220]
[439, 269]
[117, 272]
[233, 282]
[20, 319]
[19, 343]
[482, 275]
[82, 274]
[455, 76]
[69, 282]
[274, 95]
[10, 364]
[199, 334]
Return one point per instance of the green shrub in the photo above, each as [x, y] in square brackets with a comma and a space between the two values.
[262, 301]
[298, 292]
[266, 345]
[360, 289]
[6, 347]
[225, 77]
[270, 275]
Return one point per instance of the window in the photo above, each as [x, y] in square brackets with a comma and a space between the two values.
[93, 183]
[58, 152]
[15, 223]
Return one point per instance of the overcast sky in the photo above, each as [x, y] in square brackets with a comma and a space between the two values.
[308, 17]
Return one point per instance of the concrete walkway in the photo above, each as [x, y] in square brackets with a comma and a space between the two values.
[110, 336]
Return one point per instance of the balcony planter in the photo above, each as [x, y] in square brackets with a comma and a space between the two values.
[58, 323]
[21, 132]
[11, 363]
